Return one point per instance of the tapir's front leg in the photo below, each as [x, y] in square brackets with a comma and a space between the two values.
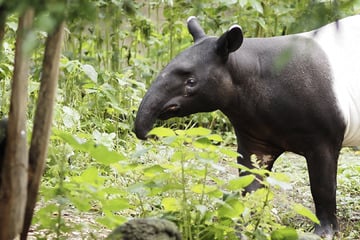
[265, 160]
[244, 159]
[322, 167]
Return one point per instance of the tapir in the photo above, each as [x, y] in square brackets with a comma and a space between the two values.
[297, 93]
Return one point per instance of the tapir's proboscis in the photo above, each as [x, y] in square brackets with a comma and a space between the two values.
[297, 93]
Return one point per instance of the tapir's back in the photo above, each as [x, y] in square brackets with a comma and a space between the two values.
[341, 43]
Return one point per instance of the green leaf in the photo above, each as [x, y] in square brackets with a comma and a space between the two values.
[255, 4]
[117, 204]
[200, 188]
[103, 155]
[240, 182]
[171, 204]
[153, 170]
[138, 188]
[199, 131]
[91, 176]
[81, 204]
[279, 179]
[262, 23]
[90, 72]
[162, 132]
[110, 220]
[45, 22]
[99, 152]
[30, 42]
[243, 3]
[284, 234]
[202, 143]
[229, 153]
[215, 137]
[303, 211]
[232, 208]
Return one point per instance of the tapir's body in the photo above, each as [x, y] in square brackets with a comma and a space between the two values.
[298, 93]
[340, 42]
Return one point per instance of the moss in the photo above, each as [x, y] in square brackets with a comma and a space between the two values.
[146, 229]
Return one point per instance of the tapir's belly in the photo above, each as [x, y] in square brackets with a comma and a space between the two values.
[342, 46]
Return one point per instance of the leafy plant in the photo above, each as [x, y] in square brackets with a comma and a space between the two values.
[95, 164]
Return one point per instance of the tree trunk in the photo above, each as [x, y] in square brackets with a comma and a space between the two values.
[43, 120]
[14, 176]
[3, 15]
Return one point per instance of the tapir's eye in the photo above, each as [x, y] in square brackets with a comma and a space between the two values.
[190, 82]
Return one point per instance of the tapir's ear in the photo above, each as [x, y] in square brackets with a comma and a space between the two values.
[195, 29]
[230, 41]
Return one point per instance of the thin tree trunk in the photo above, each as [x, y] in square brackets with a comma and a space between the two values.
[3, 15]
[43, 120]
[14, 176]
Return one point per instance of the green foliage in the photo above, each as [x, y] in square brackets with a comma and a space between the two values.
[181, 180]
[284, 234]
[112, 52]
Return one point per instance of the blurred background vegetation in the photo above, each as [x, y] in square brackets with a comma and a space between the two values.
[112, 51]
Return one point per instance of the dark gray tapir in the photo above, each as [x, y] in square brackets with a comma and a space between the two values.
[298, 93]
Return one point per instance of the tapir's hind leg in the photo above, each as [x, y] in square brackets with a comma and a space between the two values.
[322, 166]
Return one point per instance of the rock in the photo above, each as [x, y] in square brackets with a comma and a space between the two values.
[146, 229]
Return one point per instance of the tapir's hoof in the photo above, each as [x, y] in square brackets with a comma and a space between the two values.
[326, 233]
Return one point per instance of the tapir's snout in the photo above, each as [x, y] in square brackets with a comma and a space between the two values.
[143, 124]
[140, 134]
[149, 110]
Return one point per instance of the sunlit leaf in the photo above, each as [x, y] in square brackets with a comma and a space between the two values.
[256, 4]
[70, 117]
[242, 3]
[200, 188]
[117, 204]
[303, 211]
[81, 204]
[30, 42]
[162, 132]
[153, 170]
[90, 72]
[103, 155]
[229, 152]
[202, 143]
[139, 188]
[91, 175]
[201, 208]
[111, 220]
[199, 131]
[45, 22]
[280, 180]
[215, 137]
[171, 204]
[284, 234]
[240, 182]
[232, 208]
[99, 152]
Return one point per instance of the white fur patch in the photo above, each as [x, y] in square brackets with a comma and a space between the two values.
[341, 43]
[235, 26]
[190, 18]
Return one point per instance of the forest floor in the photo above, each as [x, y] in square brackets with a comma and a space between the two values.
[348, 200]
[348, 190]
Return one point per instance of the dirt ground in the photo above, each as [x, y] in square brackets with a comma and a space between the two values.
[348, 189]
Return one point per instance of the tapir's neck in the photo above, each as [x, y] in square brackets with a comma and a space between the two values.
[252, 69]
[268, 76]
[257, 57]
[262, 64]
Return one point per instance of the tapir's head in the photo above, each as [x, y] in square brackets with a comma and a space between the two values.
[197, 80]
